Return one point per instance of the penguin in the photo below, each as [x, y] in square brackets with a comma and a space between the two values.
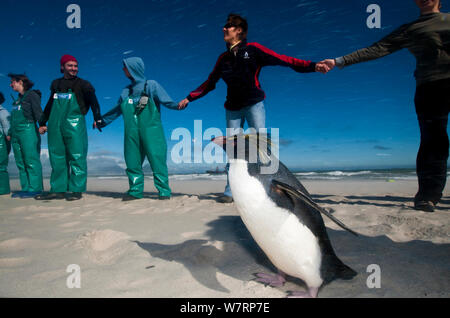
[282, 218]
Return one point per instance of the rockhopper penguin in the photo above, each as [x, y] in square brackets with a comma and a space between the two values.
[281, 216]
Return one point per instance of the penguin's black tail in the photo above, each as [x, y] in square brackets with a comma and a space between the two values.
[345, 272]
[333, 268]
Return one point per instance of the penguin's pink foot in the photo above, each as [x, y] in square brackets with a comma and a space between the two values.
[276, 280]
[311, 293]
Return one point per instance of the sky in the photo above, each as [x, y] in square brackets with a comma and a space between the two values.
[359, 117]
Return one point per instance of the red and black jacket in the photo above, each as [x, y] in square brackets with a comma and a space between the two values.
[241, 73]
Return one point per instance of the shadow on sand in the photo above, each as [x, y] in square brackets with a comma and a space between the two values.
[410, 269]
[385, 201]
[154, 195]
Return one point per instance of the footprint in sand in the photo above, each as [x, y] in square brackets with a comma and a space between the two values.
[104, 247]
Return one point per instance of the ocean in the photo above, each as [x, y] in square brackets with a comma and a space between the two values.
[384, 174]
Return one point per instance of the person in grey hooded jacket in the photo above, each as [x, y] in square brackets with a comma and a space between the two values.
[139, 104]
[428, 39]
[5, 147]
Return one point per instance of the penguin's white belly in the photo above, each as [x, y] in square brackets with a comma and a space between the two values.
[289, 244]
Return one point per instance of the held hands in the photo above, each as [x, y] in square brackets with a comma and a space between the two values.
[325, 66]
[99, 124]
[183, 104]
[8, 138]
[42, 130]
[322, 68]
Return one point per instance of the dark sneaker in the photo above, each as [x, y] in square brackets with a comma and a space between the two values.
[225, 199]
[426, 206]
[164, 197]
[128, 197]
[73, 196]
[16, 195]
[50, 196]
[27, 195]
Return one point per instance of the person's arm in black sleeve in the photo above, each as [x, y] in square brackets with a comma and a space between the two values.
[205, 88]
[92, 102]
[209, 84]
[47, 110]
[91, 99]
[36, 110]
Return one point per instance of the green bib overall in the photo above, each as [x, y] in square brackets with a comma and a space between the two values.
[67, 144]
[4, 176]
[26, 144]
[144, 137]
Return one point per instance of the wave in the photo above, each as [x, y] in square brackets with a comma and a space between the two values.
[197, 176]
[388, 175]
[395, 174]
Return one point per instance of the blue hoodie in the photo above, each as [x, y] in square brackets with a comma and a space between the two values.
[136, 68]
[4, 121]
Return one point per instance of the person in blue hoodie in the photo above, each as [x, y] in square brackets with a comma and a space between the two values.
[139, 104]
[5, 147]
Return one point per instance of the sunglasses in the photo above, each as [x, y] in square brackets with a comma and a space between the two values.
[228, 25]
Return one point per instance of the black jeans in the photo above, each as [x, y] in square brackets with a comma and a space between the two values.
[432, 102]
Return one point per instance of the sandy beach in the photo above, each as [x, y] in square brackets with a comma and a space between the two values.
[193, 246]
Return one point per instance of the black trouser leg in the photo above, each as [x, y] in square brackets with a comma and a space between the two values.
[432, 158]
[432, 102]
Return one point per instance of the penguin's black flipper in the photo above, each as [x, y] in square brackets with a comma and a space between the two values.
[305, 198]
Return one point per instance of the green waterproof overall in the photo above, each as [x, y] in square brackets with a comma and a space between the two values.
[26, 144]
[144, 136]
[67, 144]
[4, 176]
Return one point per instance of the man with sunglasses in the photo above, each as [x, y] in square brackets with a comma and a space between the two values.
[239, 67]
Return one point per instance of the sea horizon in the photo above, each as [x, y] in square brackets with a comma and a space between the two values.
[388, 174]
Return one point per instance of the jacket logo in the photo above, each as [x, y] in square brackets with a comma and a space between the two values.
[246, 56]
[62, 96]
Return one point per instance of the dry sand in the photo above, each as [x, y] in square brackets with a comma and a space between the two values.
[193, 246]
